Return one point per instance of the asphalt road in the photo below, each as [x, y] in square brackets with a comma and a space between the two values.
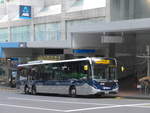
[16, 102]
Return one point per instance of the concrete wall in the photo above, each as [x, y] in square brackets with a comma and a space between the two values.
[2, 9]
[129, 9]
[142, 9]
[49, 44]
[52, 2]
[121, 9]
[87, 40]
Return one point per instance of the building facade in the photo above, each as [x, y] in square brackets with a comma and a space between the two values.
[49, 26]
[46, 34]
[114, 28]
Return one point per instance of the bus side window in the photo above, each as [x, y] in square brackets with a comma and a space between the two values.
[47, 72]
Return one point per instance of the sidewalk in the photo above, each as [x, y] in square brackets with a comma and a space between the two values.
[5, 86]
[133, 95]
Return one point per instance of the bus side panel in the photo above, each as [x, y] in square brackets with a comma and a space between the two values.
[62, 89]
[42, 89]
[21, 87]
[85, 89]
[53, 87]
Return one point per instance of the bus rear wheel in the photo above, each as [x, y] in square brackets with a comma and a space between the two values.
[26, 90]
[72, 91]
[33, 91]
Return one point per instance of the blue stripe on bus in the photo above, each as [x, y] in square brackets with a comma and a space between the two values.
[92, 83]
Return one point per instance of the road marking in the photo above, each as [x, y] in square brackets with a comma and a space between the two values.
[34, 108]
[92, 108]
[107, 107]
[52, 101]
[76, 110]
[143, 106]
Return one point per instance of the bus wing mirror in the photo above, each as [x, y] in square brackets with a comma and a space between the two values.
[86, 67]
[122, 68]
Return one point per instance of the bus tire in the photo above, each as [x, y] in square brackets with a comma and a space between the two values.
[72, 91]
[26, 90]
[33, 90]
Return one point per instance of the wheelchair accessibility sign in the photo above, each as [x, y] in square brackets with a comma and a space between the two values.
[25, 12]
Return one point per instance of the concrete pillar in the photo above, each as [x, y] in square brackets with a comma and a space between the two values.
[63, 21]
[32, 37]
[114, 9]
[9, 33]
[63, 30]
[108, 9]
[112, 50]
[122, 9]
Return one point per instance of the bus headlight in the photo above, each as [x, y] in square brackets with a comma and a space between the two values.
[102, 83]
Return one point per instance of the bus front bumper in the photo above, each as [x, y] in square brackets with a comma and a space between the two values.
[104, 92]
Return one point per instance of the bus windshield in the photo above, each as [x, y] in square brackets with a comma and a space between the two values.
[104, 72]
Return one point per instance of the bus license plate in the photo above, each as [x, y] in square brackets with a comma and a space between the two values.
[106, 88]
[106, 92]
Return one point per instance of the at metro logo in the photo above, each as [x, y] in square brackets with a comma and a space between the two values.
[25, 12]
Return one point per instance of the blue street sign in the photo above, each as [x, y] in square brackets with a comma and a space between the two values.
[84, 51]
[25, 12]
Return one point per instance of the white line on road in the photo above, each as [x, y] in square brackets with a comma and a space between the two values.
[107, 107]
[52, 101]
[34, 108]
[77, 110]
[143, 106]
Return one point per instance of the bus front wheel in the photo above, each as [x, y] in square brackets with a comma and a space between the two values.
[72, 91]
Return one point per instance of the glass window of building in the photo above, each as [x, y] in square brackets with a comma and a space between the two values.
[45, 32]
[1, 1]
[77, 5]
[40, 32]
[53, 31]
[4, 35]
[20, 34]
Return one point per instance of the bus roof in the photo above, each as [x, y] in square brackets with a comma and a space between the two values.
[60, 61]
[38, 62]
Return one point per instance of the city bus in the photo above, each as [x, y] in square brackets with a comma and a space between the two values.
[82, 76]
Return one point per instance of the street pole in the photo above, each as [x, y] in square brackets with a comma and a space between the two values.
[148, 60]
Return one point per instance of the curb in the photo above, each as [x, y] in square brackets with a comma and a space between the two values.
[8, 89]
[134, 97]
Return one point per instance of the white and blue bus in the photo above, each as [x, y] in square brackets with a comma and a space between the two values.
[84, 76]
